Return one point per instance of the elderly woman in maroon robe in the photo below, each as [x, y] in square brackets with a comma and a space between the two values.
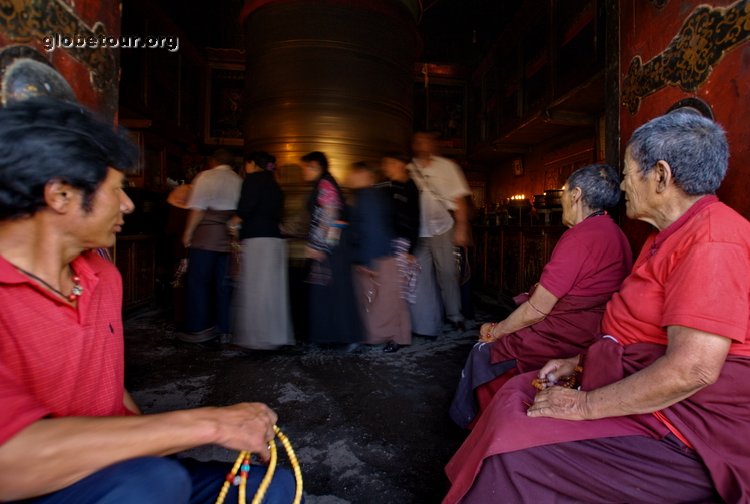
[661, 414]
[561, 315]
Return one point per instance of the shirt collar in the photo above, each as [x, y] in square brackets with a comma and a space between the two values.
[10, 275]
[699, 205]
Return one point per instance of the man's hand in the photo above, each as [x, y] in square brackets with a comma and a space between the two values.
[461, 235]
[246, 426]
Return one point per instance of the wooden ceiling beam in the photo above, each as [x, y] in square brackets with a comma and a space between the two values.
[568, 118]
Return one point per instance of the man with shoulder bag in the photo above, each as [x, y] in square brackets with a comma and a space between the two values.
[444, 225]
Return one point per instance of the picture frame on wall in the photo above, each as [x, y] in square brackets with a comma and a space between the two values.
[154, 157]
[440, 106]
[136, 174]
[224, 104]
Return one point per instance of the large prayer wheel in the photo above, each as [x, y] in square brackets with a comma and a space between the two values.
[329, 75]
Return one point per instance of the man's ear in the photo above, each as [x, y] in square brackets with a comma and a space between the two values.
[58, 196]
[662, 174]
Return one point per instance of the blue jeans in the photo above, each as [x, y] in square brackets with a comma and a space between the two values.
[208, 291]
[156, 480]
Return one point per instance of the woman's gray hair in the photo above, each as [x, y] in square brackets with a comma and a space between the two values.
[694, 146]
[599, 184]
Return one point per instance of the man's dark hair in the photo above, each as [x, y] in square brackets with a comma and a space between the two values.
[398, 155]
[44, 140]
[372, 167]
[432, 134]
[262, 159]
[317, 157]
[222, 157]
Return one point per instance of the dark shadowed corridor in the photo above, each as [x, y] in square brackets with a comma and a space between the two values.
[367, 427]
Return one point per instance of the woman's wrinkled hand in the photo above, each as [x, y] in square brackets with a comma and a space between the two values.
[487, 333]
[559, 402]
[556, 369]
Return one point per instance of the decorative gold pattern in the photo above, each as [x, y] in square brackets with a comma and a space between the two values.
[26, 21]
[687, 62]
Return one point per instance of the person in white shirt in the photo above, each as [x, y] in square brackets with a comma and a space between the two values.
[212, 203]
[444, 225]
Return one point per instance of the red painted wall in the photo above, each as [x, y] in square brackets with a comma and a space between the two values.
[646, 31]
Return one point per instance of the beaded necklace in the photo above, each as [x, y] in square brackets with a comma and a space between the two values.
[75, 292]
[238, 474]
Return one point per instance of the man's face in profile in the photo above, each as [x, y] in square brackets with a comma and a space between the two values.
[98, 226]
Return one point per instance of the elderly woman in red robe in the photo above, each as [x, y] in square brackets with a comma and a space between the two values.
[561, 315]
[661, 414]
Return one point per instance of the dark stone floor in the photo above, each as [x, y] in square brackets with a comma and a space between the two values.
[367, 427]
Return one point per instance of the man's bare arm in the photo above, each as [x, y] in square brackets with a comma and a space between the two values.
[193, 219]
[461, 217]
[51, 454]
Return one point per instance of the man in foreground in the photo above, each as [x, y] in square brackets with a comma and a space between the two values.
[69, 431]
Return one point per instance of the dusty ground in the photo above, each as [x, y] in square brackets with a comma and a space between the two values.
[367, 427]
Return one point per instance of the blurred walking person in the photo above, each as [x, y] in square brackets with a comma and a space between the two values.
[444, 226]
[376, 279]
[261, 310]
[212, 203]
[333, 312]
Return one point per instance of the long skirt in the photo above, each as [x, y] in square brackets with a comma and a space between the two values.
[384, 313]
[262, 314]
[333, 313]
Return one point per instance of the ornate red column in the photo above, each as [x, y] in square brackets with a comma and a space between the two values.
[34, 29]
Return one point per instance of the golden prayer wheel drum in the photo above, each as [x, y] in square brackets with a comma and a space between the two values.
[330, 76]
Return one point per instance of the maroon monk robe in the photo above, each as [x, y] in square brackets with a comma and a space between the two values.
[715, 420]
[571, 326]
